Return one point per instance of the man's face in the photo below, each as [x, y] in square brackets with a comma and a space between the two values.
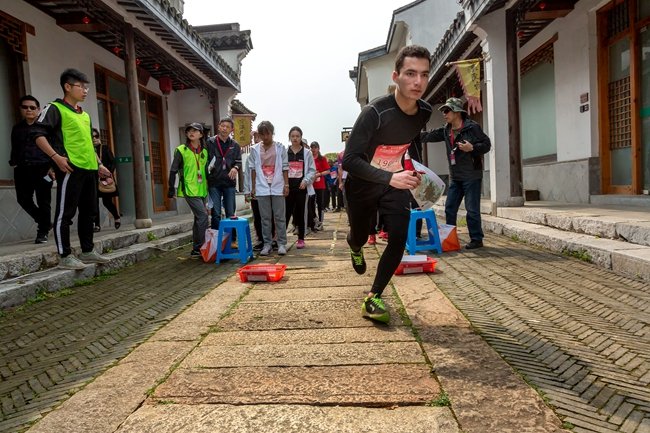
[225, 128]
[449, 115]
[77, 91]
[29, 110]
[413, 78]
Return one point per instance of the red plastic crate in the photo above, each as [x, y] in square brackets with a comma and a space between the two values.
[417, 267]
[268, 273]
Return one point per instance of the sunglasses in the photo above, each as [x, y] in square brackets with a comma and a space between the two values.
[29, 107]
[95, 136]
[446, 110]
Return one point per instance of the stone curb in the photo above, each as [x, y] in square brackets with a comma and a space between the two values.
[19, 264]
[18, 290]
[625, 258]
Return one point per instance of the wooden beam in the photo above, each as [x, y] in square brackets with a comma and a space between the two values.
[546, 14]
[516, 171]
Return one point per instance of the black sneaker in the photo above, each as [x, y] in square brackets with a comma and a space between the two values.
[374, 308]
[195, 253]
[258, 247]
[358, 262]
[474, 245]
[41, 239]
[274, 245]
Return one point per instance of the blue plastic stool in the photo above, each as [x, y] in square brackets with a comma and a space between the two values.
[244, 250]
[433, 242]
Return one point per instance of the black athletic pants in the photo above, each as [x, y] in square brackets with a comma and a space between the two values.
[295, 207]
[364, 200]
[75, 191]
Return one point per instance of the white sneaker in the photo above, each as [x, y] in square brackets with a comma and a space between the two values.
[319, 226]
[282, 250]
[93, 257]
[71, 262]
[266, 250]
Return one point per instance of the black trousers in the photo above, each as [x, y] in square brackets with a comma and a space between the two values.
[364, 200]
[332, 193]
[295, 207]
[30, 180]
[77, 191]
[110, 206]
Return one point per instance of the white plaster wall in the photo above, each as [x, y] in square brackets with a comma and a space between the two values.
[575, 55]
[378, 72]
[428, 21]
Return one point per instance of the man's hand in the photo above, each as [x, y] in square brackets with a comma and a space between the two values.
[465, 146]
[62, 163]
[247, 198]
[406, 179]
[252, 193]
[232, 174]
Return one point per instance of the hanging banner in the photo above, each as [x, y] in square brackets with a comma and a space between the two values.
[243, 127]
[469, 74]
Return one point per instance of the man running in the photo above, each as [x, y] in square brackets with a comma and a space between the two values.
[377, 180]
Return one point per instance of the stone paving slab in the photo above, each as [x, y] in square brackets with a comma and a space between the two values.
[485, 394]
[297, 355]
[173, 418]
[298, 315]
[342, 385]
[318, 282]
[310, 336]
[313, 294]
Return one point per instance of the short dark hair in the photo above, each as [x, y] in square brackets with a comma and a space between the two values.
[411, 51]
[227, 119]
[29, 98]
[264, 127]
[71, 76]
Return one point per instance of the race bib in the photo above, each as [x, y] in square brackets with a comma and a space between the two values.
[389, 158]
[269, 172]
[333, 174]
[295, 169]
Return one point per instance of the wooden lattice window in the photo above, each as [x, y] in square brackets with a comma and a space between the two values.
[620, 120]
[618, 19]
[15, 32]
[156, 163]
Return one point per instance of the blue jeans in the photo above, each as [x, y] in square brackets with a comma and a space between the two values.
[471, 191]
[217, 195]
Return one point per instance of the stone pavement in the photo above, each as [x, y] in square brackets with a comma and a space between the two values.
[296, 356]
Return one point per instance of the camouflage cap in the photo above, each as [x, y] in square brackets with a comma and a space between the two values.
[454, 104]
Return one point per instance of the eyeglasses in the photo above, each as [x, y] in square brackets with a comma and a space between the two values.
[95, 136]
[446, 110]
[81, 86]
[29, 107]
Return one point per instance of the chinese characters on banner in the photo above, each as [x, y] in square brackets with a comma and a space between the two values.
[243, 126]
[469, 74]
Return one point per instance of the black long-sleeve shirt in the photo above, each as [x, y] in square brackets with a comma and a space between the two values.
[24, 150]
[382, 125]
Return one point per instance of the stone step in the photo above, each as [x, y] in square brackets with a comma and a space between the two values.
[124, 250]
[26, 259]
[621, 256]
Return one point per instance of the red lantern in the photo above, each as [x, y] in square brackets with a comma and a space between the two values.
[117, 50]
[542, 6]
[156, 66]
[85, 20]
[138, 61]
[165, 85]
[181, 86]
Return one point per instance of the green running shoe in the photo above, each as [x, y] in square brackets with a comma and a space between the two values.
[358, 262]
[373, 308]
